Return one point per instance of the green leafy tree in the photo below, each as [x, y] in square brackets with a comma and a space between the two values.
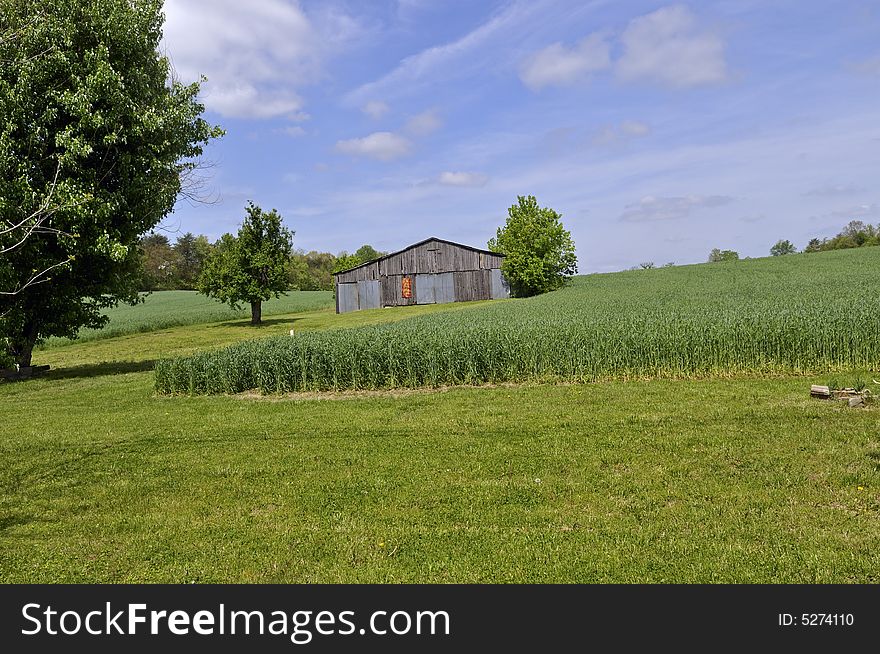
[159, 263]
[539, 251]
[783, 247]
[311, 271]
[344, 261]
[815, 245]
[368, 253]
[723, 256]
[252, 267]
[191, 252]
[97, 140]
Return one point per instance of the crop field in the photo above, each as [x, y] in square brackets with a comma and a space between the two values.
[789, 315]
[163, 309]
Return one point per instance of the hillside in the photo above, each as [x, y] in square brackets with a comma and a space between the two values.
[794, 314]
[164, 309]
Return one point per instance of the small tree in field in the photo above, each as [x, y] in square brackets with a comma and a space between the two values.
[781, 248]
[539, 251]
[723, 256]
[251, 267]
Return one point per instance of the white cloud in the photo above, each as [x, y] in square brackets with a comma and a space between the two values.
[462, 179]
[668, 47]
[256, 55]
[557, 65]
[375, 109]
[423, 124]
[383, 146]
[651, 208]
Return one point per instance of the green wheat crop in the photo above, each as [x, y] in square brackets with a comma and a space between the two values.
[793, 314]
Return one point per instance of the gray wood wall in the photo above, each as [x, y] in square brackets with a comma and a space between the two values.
[430, 257]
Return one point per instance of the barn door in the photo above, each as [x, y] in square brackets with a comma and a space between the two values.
[444, 288]
[347, 296]
[368, 293]
[425, 289]
[499, 286]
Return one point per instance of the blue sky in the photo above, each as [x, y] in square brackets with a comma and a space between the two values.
[657, 130]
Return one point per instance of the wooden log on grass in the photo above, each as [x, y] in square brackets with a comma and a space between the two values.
[822, 392]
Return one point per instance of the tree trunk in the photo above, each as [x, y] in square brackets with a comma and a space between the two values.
[21, 347]
[256, 312]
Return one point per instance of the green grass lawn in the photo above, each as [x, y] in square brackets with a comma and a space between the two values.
[665, 481]
[164, 309]
[719, 480]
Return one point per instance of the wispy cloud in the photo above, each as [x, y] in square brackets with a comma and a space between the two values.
[858, 212]
[669, 47]
[423, 124]
[558, 65]
[462, 179]
[870, 67]
[454, 58]
[651, 208]
[384, 146]
[628, 129]
[375, 109]
[833, 190]
[294, 131]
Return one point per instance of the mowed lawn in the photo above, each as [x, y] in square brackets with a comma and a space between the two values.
[667, 481]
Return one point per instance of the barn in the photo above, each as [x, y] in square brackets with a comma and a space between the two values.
[432, 271]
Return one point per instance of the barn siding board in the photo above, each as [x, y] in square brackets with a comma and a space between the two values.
[441, 271]
[359, 274]
[347, 295]
[392, 291]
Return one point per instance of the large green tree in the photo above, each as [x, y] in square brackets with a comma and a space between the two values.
[96, 141]
[539, 251]
[251, 267]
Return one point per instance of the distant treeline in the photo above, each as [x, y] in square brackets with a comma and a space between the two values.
[168, 266]
[855, 235]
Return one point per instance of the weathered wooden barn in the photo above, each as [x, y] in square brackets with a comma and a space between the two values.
[432, 271]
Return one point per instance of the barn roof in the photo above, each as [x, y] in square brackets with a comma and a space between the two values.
[415, 245]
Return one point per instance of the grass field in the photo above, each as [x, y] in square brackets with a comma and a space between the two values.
[738, 479]
[796, 314]
[164, 309]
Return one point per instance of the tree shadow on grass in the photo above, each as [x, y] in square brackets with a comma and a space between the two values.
[15, 520]
[99, 369]
[267, 322]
